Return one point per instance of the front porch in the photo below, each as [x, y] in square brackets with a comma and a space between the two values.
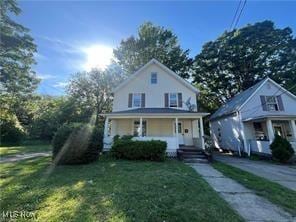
[260, 133]
[176, 130]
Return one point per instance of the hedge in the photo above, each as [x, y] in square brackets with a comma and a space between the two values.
[154, 150]
[281, 149]
[77, 143]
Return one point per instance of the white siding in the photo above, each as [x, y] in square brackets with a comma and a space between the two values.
[154, 92]
[229, 131]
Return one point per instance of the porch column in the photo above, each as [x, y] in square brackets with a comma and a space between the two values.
[269, 130]
[177, 136]
[293, 127]
[202, 134]
[141, 127]
[106, 126]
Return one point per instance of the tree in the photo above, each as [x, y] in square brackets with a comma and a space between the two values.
[240, 58]
[153, 42]
[92, 90]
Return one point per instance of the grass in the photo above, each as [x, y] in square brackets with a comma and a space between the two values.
[6, 151]
[274, 192]
[111, 190]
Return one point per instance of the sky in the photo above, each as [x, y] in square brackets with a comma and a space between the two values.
[73, 36]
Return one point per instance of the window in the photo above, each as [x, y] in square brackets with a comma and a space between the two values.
[271, 103]
[137, 100]
[173, 102]
[137, 128]
[154, 78]
[259, 133]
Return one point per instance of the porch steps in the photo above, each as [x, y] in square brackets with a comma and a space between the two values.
[192, 155]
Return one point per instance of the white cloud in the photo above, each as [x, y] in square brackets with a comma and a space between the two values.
[61, 85]
[45, 76]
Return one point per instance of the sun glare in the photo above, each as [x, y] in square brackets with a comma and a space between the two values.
[98, 56]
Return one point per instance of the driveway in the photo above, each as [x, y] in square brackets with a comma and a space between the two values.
[284, 175]
[19, 157]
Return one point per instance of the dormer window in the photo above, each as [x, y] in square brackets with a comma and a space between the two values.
[271, 103]
[153, 78]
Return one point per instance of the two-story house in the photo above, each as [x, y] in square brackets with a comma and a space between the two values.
[249, 121]
[155, 103]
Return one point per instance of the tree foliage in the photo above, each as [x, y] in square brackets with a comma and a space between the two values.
[92, 90]
[153, 42]
[240, 58]
[16, 53]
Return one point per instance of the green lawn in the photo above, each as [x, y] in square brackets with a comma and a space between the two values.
[274, 192]
[111, 190]
[6, 151]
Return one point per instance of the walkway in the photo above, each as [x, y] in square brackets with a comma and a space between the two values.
[250, 206]
[284, 175]
[23, 157]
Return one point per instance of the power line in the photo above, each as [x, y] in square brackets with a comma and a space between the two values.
[240, 13]
[234, 17]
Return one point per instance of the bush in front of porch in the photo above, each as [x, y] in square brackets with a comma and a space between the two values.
[281, 149]
[124, 148]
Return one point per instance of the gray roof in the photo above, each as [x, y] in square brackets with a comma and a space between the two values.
[234, 104]
[152, 110]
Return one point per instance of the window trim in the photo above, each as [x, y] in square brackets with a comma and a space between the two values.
[133, 99]
[176, 94]
[272, 103]
[153, 78]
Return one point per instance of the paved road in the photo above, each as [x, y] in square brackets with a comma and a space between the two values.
[250, 206]
[284, 175]
[23, 157]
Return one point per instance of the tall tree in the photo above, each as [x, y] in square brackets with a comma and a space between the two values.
[93, 90]
[17, 80]
[240, 58]
[153, 42]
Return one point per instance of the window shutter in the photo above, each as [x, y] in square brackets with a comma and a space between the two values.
[166, 100]
[280, 103]
[180, 100]
[263, 103]
[143, 100]
[130, 100]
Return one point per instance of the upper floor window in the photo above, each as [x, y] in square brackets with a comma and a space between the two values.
[173, 101]
[271, 103]
[154, 78]
[137, 99]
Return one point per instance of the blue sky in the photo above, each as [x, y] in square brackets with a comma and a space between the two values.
[63, 30]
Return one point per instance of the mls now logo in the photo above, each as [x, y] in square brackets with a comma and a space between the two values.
[18, 214]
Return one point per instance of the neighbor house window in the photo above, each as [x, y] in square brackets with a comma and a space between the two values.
[137, 99]
[259, 133]
[137, 128]
[271, 103]
[154, 78]
[173, 102]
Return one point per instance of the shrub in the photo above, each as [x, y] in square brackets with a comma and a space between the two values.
[281, 149]
[77, 143]
[139, 150]
[11, 130]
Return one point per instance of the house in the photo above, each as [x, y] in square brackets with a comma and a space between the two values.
[155, 103]
[249, 121]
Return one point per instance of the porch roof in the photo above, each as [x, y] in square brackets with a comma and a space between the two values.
[154, 112]
[271, 116]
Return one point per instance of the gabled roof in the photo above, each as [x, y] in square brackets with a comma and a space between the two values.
[169, 71]
[238, 101]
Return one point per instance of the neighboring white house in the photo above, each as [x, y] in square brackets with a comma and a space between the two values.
[249, 121]
[151, 104]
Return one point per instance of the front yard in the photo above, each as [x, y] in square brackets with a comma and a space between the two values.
[111, 190]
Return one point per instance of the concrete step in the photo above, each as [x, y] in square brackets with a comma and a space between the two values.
[196, 160]
[187, 155]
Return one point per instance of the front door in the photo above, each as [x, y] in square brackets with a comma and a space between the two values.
[181, 133]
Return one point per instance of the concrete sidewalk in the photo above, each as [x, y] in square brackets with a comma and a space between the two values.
[250, 206]
[23, 157]
[282, 174]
